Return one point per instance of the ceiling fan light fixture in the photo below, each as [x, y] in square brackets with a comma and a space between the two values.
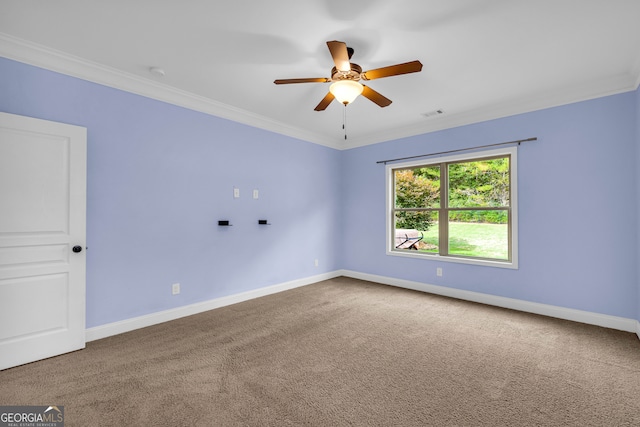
[346, 91]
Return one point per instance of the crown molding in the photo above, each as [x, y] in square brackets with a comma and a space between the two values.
[64, 63]
[561, 96]
[61, 62]
[635, 70]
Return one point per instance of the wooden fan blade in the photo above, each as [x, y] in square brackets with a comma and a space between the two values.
[392, 70]
[374, 96]
[325, 102]
[340, 55]
[310, 80]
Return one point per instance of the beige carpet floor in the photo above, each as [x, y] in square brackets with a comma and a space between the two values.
[344, 352]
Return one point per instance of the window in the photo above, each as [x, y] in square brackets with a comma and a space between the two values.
[460, 208]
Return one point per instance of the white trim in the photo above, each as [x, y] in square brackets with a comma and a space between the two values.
[127, 325]
[613, 85]
[635, 71]
[61, 62]
[604, 320]
[44, 57]
[390, 248]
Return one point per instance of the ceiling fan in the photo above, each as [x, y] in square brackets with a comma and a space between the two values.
[345, 78]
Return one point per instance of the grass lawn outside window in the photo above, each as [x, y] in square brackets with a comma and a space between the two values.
[460, 208]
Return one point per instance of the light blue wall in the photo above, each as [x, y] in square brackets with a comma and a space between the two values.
[159, 178]
[577, 184]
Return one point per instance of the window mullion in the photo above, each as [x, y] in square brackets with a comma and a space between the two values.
[443, 216]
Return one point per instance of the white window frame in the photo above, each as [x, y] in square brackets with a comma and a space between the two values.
[475, 155]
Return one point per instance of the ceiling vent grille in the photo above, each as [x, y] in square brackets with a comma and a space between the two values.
[433, 113]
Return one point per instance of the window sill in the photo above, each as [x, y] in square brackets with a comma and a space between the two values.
[513, 264]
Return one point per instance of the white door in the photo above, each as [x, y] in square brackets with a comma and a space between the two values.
[42, 219]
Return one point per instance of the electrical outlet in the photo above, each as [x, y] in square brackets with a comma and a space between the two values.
[315, 263]
[255, 194]
[175, 289]
[439, 272]
[236, 193]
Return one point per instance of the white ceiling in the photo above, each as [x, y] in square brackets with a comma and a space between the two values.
[482, 59]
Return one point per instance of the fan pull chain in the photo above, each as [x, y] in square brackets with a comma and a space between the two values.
[344, 121]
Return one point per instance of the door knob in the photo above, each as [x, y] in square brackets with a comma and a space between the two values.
[77, 249]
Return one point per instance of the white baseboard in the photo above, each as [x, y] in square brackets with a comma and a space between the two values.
[110, 329]
[613, 322]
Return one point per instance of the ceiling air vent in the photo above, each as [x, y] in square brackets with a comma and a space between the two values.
[433, 113]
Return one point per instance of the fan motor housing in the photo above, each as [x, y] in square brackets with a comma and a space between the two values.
[353, 74]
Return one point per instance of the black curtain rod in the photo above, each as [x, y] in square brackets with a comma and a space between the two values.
[518, 141]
